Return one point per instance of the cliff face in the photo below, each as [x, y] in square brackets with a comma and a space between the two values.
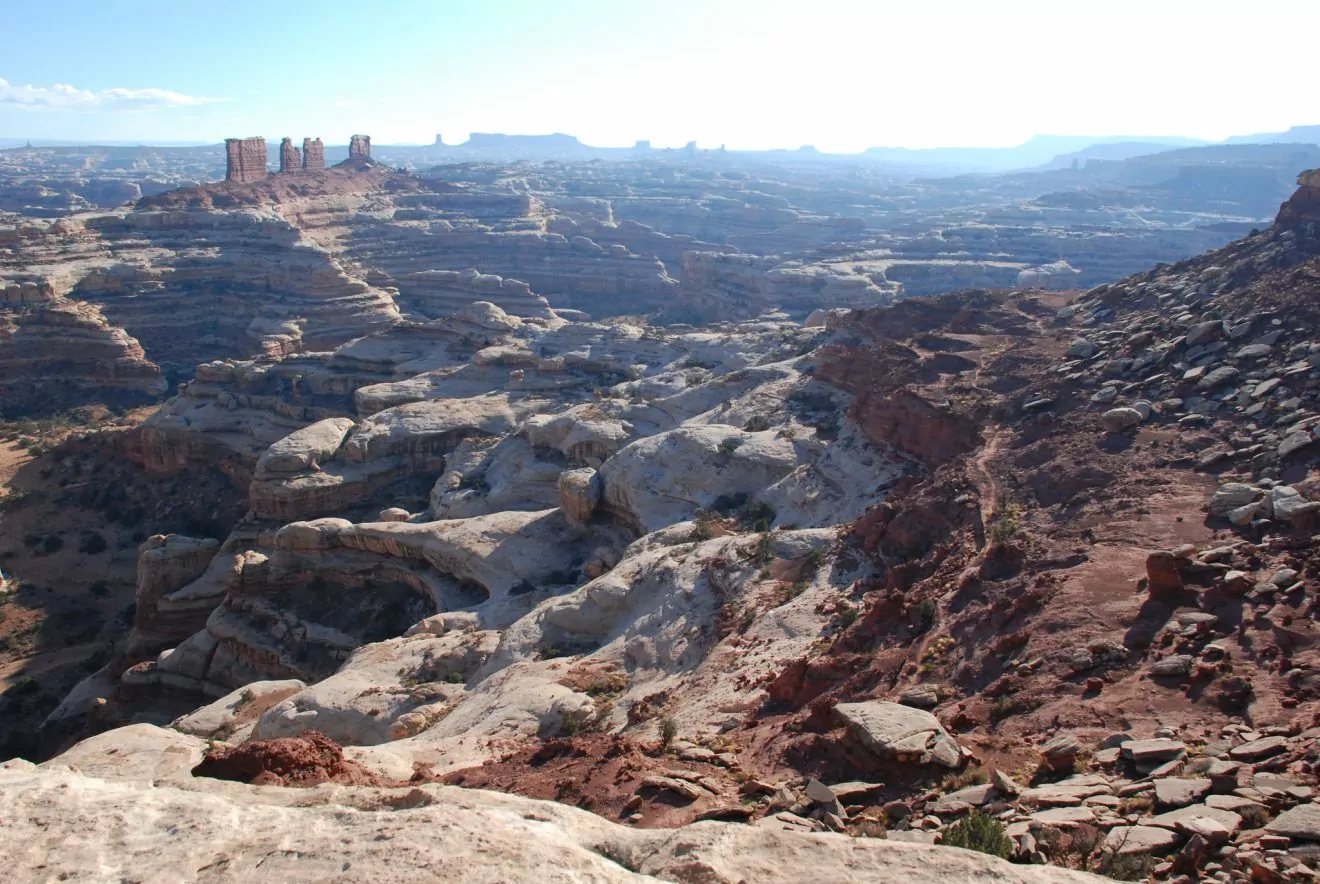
[61, 351]
[195, 284]
[1304, 205]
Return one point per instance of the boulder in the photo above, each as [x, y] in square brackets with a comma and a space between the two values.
[1116, 420]
[1162, 574]
[305, 449]
[579, 494]
[1232, 495]
[900, 733]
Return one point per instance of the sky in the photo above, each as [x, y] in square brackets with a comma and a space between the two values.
[841, 75]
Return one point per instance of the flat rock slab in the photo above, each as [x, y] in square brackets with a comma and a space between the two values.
[1234, 803]
[854, 791]
[1128, 840]
[1258, 749]
[1062, 817]
[1153, 751]
[1302, 821]
[901, 733]
[1069, 792]
[1179, 819]
[973, 795]
[1176, 792]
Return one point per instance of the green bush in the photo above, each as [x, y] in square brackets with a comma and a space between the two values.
[668, 731]
[729, 445]
[1006, 524]
[980, 832]
[92, 543]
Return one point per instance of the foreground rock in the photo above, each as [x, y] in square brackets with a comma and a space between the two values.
[54, 826]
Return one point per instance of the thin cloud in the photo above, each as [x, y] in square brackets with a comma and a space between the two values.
[346, 103]
[62, 96]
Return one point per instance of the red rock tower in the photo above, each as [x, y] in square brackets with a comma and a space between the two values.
[313, 156]
[245, 159]
[359, 147]
[290, 160]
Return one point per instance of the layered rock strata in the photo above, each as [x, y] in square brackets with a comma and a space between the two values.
[245, 159]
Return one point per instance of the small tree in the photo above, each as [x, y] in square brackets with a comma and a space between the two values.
[980, 832]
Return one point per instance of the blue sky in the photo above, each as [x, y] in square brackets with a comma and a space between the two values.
[839, 74]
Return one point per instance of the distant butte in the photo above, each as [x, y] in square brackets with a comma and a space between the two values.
[301, 175]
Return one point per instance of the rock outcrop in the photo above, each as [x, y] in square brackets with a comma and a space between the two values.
[245, 159]
[313, 155]
[290, 160]
[445, 833]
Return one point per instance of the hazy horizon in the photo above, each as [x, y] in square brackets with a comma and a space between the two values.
[841, 76]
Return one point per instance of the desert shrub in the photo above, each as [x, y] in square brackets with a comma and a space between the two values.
[955, 781]
[757, 423]
[573, 722]
[729, 445]
[92, 543]
[1006, 706]
[925, 614]
[1254, 816]
[1131, 867]
[1006, 524]
[25, 685]
[980, 832]
[100, 589]
[668, 731]
[51, 544]
[758, 515]
[703, 525]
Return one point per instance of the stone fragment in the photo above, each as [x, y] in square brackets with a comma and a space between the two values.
[1005, 784]
[1255, 750]
[1217, 378]
[1163, 575]
[1115, 420]
[1081, 349]
[1062, 817]
[819, 792]
[1302, 822]
[1173, 667]
[1178, 792]
[1130, 840]
[1158, 751]
[925, 696]
[1295, 443]
[1230, 496]
[1180, 819]
[1204, 333]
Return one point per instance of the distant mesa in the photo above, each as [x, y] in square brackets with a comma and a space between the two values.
[245, 158]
